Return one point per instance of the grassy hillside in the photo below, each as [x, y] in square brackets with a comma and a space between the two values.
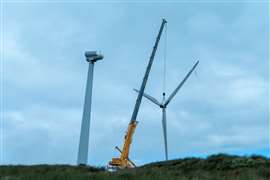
[216, 167]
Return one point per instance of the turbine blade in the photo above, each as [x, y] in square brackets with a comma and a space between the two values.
[181, 84]
[164, 127]
[152, 99]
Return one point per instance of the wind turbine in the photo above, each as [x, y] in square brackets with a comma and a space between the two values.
[163, 105]
[91, 58]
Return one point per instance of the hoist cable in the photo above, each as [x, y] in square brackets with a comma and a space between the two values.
[164, 61]
[196, 74]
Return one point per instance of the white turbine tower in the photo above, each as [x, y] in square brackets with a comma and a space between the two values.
[163, 105]
[91, 57]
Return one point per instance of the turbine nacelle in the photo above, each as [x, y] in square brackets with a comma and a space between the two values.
[93, 56]
[162, 106]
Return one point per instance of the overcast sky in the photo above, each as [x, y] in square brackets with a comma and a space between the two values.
[224, 107]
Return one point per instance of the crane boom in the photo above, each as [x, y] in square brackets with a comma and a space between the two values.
[123, 161]
[140, 95]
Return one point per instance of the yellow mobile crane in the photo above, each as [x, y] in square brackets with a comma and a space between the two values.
[123, 161]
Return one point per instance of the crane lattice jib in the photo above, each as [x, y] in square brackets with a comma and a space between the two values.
[139, 98]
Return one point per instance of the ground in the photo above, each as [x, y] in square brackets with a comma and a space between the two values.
[215, 167]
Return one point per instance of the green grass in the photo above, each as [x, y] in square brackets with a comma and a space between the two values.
[215, 167]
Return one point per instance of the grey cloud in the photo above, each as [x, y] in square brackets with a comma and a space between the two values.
[213, 112]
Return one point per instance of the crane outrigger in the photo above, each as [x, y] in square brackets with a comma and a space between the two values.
[123, 161]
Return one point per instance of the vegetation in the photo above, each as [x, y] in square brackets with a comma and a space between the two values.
[215, 167]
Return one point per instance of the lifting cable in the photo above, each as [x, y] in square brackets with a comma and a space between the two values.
[196, 74]
[164, 62]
